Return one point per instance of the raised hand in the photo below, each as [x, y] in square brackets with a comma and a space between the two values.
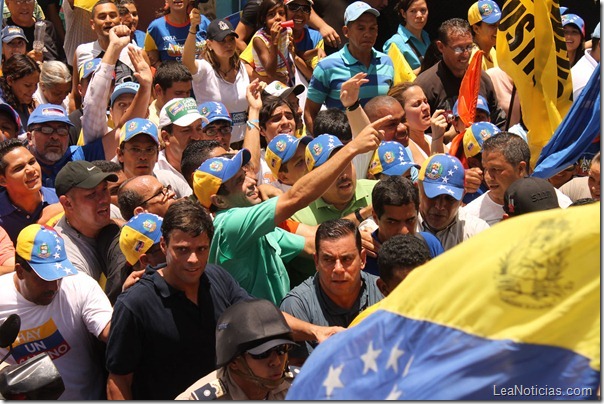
[253, 93]
[370, 137]
[195, 17]
[142, 71]
[120, 36]
[349, 92]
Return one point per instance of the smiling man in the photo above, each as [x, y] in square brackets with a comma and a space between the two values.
[24, 200]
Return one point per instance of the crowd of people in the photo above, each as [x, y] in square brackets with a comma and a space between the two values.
[210, 202]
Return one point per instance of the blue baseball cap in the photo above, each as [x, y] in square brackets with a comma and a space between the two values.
[89, 67]
[596, 33]
[214, 172]
[481, 103]
[128, 87]
[319, 150]
[139, 234]
[11, 32]
[44, 250]
[475, 135]
[356, 9]
[138, 126]
[574, 19]
[213, 111]
[390, 159]
[48, 113]
[14, 114]
[281, 149]
[442, 174]
[484, 10]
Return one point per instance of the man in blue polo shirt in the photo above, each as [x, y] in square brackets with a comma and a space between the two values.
[358, 56]
[24, 200]
[48, 135]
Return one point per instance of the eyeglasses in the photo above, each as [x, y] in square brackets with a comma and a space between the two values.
[280, 349]
[163, 191]
[140, 152]
[19, 2]
[293, 7]
[222, 131]
[49, 130]
[459, 50]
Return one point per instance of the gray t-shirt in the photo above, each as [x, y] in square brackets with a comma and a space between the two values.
[308, 302]
[81, 250]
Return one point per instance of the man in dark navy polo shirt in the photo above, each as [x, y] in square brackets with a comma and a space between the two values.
[24, 200]
[163, 328]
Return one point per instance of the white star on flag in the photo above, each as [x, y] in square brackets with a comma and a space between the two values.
[450, 172]
[333, 379]
[58, 248]
[450, 191]
[408, 366]
[445, 180]
[58, 265]
[455, 167]
[401, 159]
[369, 358]
[68, 270]
[56, 255]
[394, 394]
[395, 354]
[442, 187]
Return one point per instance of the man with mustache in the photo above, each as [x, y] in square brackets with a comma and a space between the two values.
[62, 312]
[24, 200]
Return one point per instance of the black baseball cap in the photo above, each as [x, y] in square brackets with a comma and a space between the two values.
[220, 29]
[529, 194]
[80, 174]
[253, 326]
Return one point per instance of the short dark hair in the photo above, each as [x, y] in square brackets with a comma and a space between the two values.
[189, 217]
[268, 107]
[170, 72]
[23, 262]
[108, 166]
[335, 229]
[334, 122]
[453, 26]
[98, 3]
[194, 154]
[128, 200]
[6, 146]
[513, 148]
[402, 252]
[394, 191]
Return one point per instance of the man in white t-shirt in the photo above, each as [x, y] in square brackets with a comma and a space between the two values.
[62, 312]
[505, 159]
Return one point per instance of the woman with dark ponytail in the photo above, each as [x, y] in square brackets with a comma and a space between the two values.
[19, 83]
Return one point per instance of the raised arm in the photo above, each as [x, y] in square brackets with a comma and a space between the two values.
[190, 48]
[312, 185]
[327, 32]
[251, 140]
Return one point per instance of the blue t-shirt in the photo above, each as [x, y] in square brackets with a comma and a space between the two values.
[139, 38]
[13, 219]
[434, 245]
[169, 39]
[335, 69]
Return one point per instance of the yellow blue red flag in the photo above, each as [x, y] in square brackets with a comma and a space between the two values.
[532, 51]
[85, 4]
[485, 320]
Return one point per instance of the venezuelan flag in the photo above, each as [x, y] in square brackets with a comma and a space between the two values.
[531, 49]
[487, 320]
[85, 4]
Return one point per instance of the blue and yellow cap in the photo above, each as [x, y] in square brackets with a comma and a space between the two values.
[281, 149]
[89, 67]
[442, 174]
[319, 150]
[475, 135]
[138, 126]
[390, 159]
[214, 172]
[213, 111]
[139, 234]
[44, 250]
[484, 10]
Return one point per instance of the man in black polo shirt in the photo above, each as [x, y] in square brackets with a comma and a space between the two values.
[162, 335]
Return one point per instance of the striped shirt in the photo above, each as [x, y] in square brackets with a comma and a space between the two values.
[331, 72]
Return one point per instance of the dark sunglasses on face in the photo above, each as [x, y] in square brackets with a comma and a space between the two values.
[293, 7]
[280, 349]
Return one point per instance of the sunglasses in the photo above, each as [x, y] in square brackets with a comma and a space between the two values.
[280, 349]
[294, 7]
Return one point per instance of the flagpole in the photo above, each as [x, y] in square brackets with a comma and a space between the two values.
[1, 27]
